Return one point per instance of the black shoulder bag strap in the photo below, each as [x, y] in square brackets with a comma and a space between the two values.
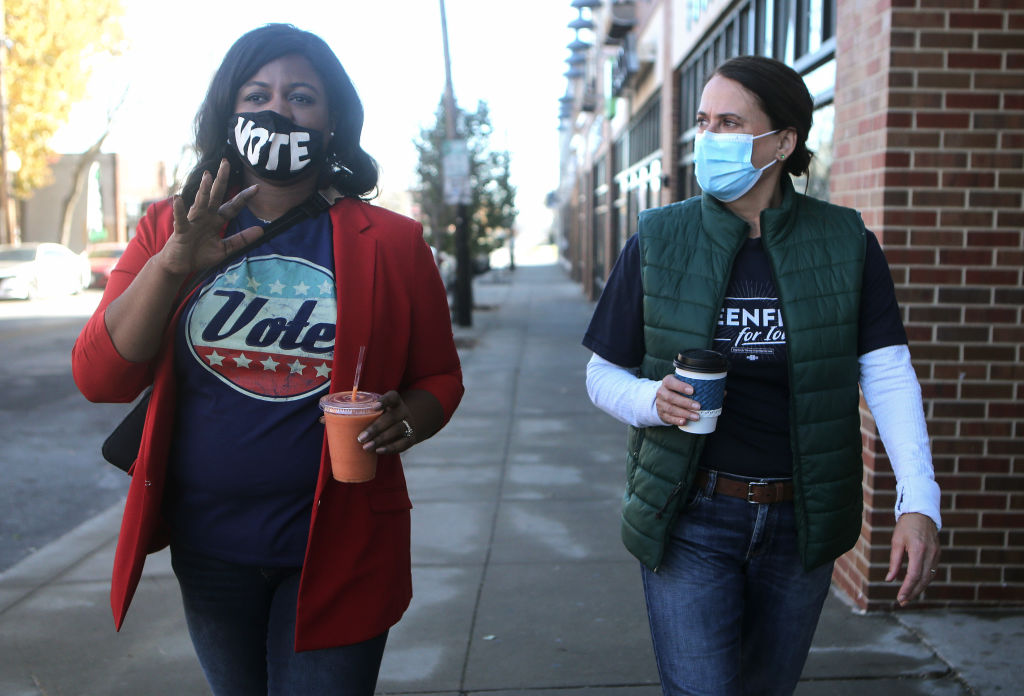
[310, 208]
[122, 446]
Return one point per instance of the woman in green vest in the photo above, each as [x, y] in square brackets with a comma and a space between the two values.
[737, 531]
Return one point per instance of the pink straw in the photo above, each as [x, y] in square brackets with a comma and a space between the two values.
[359, 371]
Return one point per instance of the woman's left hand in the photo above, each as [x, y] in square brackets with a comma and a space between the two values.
[916, 537]
[394, 430]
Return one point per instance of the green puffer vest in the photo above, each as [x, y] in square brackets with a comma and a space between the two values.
[816, 252]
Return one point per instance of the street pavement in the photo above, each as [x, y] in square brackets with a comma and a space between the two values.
[521, 584]
[47, 428]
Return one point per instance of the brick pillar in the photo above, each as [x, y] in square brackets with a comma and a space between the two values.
[573, 231]
[585, 201]
[930, 147]
[610, 229]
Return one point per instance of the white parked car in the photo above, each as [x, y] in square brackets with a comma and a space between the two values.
[41, 269]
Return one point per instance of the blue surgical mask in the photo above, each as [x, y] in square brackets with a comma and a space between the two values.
[722, 164]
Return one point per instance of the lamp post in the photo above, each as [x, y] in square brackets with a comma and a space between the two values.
[457, 156]
[7, 232]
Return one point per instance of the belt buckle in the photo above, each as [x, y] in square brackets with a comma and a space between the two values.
[750, 490]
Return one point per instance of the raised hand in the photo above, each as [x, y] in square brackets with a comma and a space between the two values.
[196, 242]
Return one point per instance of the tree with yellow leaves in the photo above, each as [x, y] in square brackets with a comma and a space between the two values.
[50, 46]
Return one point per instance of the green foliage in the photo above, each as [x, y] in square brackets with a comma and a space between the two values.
[50, 49]
[492, 210]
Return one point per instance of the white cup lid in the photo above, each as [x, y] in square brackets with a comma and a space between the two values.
[342, 403]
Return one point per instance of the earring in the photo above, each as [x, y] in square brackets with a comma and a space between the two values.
[782, 156]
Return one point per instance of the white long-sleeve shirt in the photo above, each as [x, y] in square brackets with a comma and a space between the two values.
[890, 388]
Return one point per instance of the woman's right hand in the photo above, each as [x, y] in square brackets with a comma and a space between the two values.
[196, 242]
[673, 402]
[136, 318]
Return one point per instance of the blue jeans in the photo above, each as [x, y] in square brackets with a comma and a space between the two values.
[731, 609]
[242, 623]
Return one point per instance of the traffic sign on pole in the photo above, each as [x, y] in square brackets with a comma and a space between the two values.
[455, 163]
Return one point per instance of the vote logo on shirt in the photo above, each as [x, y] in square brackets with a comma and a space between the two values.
[265, 327]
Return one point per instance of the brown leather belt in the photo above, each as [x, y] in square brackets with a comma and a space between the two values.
[751, 491]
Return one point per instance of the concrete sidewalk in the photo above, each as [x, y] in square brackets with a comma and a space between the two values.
[521, 584]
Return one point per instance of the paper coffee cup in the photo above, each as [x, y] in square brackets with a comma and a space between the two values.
[705, 371]
[345, 418]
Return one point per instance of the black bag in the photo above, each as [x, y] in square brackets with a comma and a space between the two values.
[121, 447]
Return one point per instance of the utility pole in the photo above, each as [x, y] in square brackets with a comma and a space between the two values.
[7, 233]
[463, 269]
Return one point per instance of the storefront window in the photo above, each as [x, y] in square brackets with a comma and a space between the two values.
[819, 142]
[694, 10]
[815, 26]
[821, 82]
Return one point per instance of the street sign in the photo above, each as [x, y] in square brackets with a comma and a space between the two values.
[458, 187]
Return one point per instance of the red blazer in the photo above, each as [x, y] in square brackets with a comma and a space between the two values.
[356, 579]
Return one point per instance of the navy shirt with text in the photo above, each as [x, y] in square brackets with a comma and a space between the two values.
[752, 435]
[253, 356]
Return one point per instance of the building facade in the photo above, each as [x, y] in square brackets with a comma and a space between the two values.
[96, 209]
[919, 125]
[115, 192]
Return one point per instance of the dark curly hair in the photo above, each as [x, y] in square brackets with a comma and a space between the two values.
[349, 169]
[783, 97]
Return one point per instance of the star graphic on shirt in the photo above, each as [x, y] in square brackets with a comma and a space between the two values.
[242, 361]
[325, 288]
[301, 288]
[215, 358]
[269, 364]
[323, 370]
[296, 367]
[254, 284]
[277, 286]
[232, 278]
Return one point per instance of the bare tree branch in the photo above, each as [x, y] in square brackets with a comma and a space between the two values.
[82, 166]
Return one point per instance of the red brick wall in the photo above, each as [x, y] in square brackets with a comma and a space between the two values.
[930, 147]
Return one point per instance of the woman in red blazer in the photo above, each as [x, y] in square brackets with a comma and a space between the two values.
[290, 579]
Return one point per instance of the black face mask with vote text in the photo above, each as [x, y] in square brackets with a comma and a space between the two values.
[276, 148]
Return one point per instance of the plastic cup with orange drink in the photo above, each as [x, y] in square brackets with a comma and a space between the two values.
[346, 414]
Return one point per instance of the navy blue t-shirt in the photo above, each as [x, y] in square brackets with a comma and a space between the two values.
[253, 355]
[752, 435]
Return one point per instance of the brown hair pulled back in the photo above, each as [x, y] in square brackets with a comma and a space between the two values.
[783, 97]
